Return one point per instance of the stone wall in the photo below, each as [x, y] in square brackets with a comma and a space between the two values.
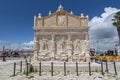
[72, 21]
[48, 22]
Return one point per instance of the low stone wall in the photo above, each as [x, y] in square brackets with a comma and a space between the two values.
[70, 67]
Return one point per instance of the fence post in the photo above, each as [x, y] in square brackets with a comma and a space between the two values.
[20, 66]
[27, 70]
[106, 66]
[115, 68]
[77, 68]
[64, 68]
[14, 68]
[89, 69]
[26, 61]
[102, 67]
[51, 68]
[29, 59]
[40, 69]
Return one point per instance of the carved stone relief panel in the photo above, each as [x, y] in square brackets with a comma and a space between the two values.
[59, 37]
[61, 20]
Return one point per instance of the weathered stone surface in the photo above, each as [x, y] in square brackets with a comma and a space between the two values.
[61, 36]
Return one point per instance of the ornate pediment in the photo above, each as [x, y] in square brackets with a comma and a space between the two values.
[61, 18]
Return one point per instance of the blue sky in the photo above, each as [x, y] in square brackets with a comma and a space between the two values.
[16, 16]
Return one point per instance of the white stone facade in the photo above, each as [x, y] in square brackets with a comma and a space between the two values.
[61, 36]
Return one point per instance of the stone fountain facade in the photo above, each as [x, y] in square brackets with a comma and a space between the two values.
[61, 36]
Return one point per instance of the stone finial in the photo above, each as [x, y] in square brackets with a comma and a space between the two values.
[82, 15]
[49, 12]
[60, 7]
[87, 16]
[39, 15]
[71, 12]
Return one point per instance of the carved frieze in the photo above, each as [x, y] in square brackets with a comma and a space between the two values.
[61, 36]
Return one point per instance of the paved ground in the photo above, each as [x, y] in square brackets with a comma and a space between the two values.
[6, 72]
[6, 68]
[111, 67]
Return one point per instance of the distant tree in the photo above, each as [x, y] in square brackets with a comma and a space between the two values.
[116, 23]
[92, 52]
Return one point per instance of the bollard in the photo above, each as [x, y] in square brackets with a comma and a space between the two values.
[89, 69]
[40, 69]
[102, 67]
[14, 68]
[64, 68]
[106, 66]
[115, 68]
[26, 61]
[77, 68]
[51, 68]
[27, 70]
[20, 66]
[4, 58]
[30, 60]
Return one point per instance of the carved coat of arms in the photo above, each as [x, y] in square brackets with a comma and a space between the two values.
[61, 20]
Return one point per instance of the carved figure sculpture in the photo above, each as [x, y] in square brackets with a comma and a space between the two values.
[77, 46]
[52, 48]
[69, 49]
[60, 46]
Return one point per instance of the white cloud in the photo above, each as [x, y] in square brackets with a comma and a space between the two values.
[17, 46]
[1, 41]
[101, 29]
[29, 43]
